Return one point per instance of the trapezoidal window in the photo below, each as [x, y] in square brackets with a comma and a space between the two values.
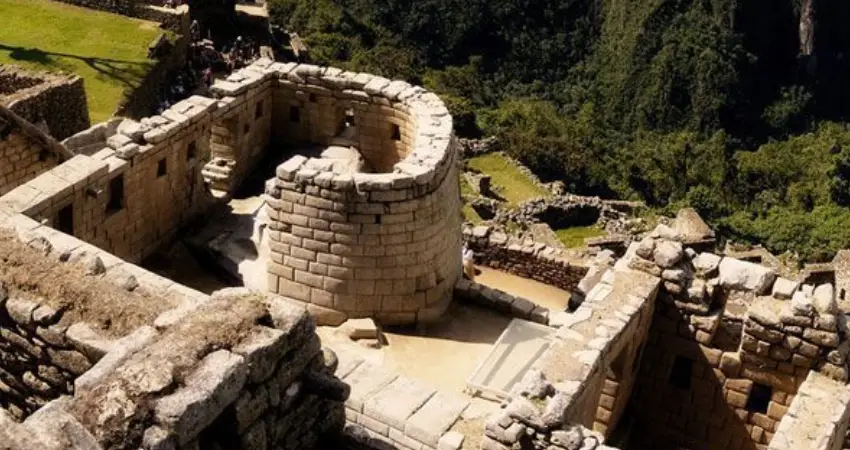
[65, 220]
[192, 151]
[347, 120]
[161, 168]
[116, 195]
[395, 133]
[680, 373]
[759, 398]
[313, 98]
[258, 110]
[294, 114]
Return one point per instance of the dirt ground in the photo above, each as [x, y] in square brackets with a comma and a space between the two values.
[28, 274]
[447, 353]
[540, 293]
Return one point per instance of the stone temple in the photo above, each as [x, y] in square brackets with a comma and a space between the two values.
[669, 346]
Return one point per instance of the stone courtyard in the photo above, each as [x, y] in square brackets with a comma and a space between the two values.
[278, 265]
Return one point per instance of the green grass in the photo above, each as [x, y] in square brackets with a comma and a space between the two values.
[470, 215]
[107, 50]
[468, 212]
[515, 186]
[574, 237]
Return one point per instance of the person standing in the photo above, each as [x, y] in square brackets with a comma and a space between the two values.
[468, 263]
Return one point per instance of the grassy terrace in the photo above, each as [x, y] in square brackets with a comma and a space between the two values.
[506, 178]
[107, 50]
[574, 237]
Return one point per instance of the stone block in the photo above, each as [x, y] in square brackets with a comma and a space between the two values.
[21, 311]
[366, 380]
[435, 417]
[396, 402]
[360, 329]
[745, 276]
[262, 350]
[121, 351]
[784, 288]
[215, 384]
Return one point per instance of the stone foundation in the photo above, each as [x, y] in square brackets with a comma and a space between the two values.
[536, 261]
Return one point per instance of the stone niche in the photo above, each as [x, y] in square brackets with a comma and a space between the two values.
[370, 227]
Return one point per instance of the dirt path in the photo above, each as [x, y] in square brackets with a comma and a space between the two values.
[540, 293]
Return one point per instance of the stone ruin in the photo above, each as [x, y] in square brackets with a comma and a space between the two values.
[54, 102]
[669, 346]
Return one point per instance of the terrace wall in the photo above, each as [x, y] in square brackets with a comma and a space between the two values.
[56, 100]
[536, 261]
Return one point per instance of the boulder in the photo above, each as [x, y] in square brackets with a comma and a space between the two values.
[664, 232]
[690, 226]
[706, 263]
[668, 253]
[784, 288]
[824, 299]
[745, 276]
[801, 304]
[645, 248]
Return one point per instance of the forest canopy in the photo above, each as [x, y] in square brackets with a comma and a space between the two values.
[729, 106]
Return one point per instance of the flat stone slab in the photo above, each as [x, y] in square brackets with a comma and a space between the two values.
[394, 404]
[365, 381]
[360, 329]
[435, 417]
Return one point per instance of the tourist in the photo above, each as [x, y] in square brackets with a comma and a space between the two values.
[468, 263]
[195, 31]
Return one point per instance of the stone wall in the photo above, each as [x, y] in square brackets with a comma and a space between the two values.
[45, 343]
[37, 361]
[384, 244]
[504, 303]
[133, 195]
[536, 261]
[22, 159]
[363, 244]
[584, 378]
[272, 387]
[729, 347]
[235, 370]
[25, 151]
[817, 418]
[56, 100]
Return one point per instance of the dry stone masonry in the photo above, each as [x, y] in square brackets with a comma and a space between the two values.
[382, 242]
[25, 151]
[670, 346]
[54, 101]
[524, 258]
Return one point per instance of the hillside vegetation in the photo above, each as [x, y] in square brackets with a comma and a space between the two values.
[736, 107]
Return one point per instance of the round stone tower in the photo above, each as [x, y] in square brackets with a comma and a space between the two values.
[370, 227]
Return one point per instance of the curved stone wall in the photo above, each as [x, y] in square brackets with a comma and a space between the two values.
[385, 244]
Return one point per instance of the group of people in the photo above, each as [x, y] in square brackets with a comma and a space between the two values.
[204, 60]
